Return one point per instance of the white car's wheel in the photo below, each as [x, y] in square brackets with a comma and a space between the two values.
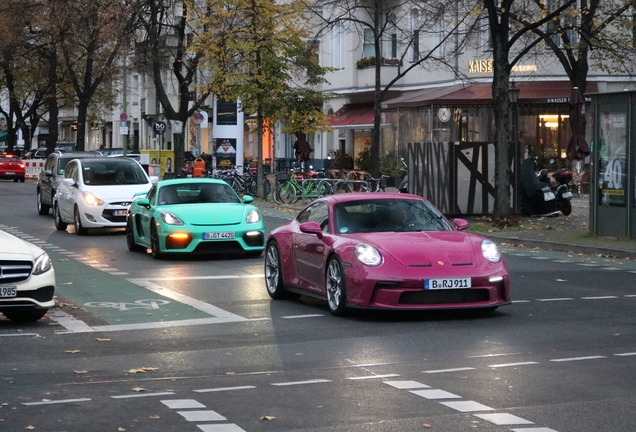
[59, 224]
[77, 221]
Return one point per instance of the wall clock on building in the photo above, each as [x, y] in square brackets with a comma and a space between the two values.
[444, 114]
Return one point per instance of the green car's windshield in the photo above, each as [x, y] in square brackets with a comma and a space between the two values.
[197, 193]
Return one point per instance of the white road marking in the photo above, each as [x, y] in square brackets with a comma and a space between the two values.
[588, 265]
[513, 364]
[565, 261]
[501, 419]
[448, 370]
[540, 258]
[435, 394]
[631, 295]
[220, 389]
[406, 385]
[201, 416]
[521, 301]
[141, 395]
[221, 428]
[291, 383]
[626, 354]
[539, 429]
[467, 406]
[182, 403]
[62, 401]
[610, 268]
[556, 299]
[68, 322]
[598, 298]
[302, 316]
[18, 334]
[577, 358]
[494, 355]
[373, 377]
[178, 278]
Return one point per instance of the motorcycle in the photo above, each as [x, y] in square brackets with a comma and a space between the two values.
[537, 197]
[563, 195]
[404, 184]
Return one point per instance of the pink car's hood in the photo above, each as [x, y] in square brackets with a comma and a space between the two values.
[425, 248]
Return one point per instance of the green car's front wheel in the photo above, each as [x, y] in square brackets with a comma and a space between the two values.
[154, 241]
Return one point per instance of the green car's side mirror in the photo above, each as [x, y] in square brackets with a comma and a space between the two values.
[248, 199]
[143, 202]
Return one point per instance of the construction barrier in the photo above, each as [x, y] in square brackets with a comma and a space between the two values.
[33, 167]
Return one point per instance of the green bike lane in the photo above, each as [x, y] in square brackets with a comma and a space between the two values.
[91, 299]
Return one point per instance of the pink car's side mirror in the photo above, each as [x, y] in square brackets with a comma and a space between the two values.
[311, 228]
[460, 224]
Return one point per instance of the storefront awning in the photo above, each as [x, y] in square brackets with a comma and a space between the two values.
[353, 116]
[532, 92]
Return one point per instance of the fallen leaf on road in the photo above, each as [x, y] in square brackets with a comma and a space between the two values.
[146, 368]
[266, 417]
[155, 417]
[133, 371]
[54, 323]
[68, 283]
[46, 400]
[72, 351]
[5, 404]
[80, 372]
[139, 389]
[103, 339]
[30, 427]
[426, 425]
[121, 429]
[230, 373]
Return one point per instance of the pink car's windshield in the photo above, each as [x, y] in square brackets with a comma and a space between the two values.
[388, 215]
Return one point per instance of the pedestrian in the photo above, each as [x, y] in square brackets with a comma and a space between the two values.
[302, 149]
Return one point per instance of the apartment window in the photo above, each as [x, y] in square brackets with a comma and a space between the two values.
[439, 31]
[337, 47]
[415, 35]
[368, 46]
[389, 45]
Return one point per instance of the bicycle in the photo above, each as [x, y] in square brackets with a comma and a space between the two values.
[375, 184]
[292, 187]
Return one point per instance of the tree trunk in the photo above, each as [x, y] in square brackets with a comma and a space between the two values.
[82, 113]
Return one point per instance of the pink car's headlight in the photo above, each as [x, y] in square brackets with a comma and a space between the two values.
[367, 254]
[490, 251]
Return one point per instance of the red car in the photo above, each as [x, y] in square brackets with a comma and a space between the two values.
[11, 167]
[384, 251]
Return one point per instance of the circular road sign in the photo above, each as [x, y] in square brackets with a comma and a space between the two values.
[198, 118]
[159, 127]
[123, 117]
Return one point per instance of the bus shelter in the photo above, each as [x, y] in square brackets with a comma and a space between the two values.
[613, 170]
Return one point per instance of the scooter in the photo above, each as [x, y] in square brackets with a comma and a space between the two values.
[537, 197]
[563, 195]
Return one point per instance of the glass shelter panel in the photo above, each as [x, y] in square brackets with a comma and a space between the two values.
[612, 154]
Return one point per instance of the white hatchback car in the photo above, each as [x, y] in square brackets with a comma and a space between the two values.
[97, 192]
[27, 279]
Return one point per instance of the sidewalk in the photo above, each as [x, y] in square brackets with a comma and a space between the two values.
[561, 233]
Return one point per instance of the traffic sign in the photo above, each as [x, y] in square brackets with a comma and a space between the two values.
[198, 118]
[159, 127]
[123, 117]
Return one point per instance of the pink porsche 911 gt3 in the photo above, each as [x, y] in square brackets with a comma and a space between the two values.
[384, 251]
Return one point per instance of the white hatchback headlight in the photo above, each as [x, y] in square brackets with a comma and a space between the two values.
[91, 199]
[367, 254]
[490, 251]
[171, 219]
[42, 264]
[253, 216]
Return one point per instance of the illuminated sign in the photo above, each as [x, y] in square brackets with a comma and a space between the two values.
[486, 66]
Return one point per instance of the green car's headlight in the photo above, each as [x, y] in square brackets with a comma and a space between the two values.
[42, 264]
[171, 219]
[253, 216]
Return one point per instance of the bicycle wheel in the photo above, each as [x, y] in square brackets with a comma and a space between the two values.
[288, 193]
[267, 187]
[276, 193]
[324, 188]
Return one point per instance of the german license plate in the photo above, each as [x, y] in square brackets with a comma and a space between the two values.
[567, 195]
[120, 213]
[446, 283]
[548, 196]
[218, 235]
[8, 291]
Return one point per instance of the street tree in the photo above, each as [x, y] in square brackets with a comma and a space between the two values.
[414, 35]
[91, 36]
[166, 32]
[260, 53]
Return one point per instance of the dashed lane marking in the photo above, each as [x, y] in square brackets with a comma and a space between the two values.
[503, 365]
[448, 370]
[141, 395]
[577, 358]
[52, 402]
[291, 383]
[222, 389]
[503, 419]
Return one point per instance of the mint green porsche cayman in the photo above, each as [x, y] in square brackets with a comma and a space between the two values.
[194, 215]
